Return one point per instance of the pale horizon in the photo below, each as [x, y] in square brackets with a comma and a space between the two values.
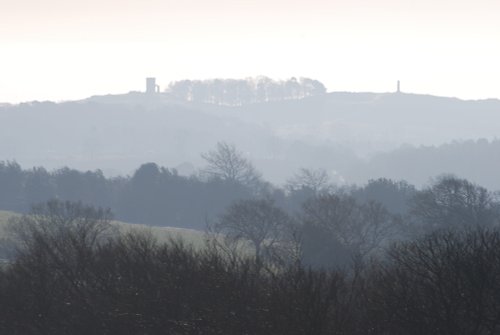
[66, 50]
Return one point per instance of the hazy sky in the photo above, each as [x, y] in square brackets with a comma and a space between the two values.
[67, 49]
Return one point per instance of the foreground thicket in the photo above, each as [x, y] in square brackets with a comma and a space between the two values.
[72, 274]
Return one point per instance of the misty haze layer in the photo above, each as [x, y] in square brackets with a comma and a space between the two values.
[354, 136]
[91, 47]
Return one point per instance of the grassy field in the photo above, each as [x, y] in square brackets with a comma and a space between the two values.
[4, 219]
[189, 236]
[192, 237]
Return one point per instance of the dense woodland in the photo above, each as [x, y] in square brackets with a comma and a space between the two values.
[160, 196]
[309, 258]
[237, 92]
[72, 273]
[157, 195]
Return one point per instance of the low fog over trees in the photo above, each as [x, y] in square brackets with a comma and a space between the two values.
[160, 196]
[230, 196]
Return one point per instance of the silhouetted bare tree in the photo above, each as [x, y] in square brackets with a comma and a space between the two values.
[257, 222]
[314, 180]
[229, 164]
[454, 202]
[360, 228]
[444, 283]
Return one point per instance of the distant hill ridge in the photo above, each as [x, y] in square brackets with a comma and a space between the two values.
[167, 97]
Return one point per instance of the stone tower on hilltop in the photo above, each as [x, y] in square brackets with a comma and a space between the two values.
[151, 87]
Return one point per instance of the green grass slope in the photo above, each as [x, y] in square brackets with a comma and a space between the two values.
[163, 234]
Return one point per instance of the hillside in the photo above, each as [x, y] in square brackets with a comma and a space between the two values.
[341, 132]
[370, 122]
[190, 236]
[4, 218]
